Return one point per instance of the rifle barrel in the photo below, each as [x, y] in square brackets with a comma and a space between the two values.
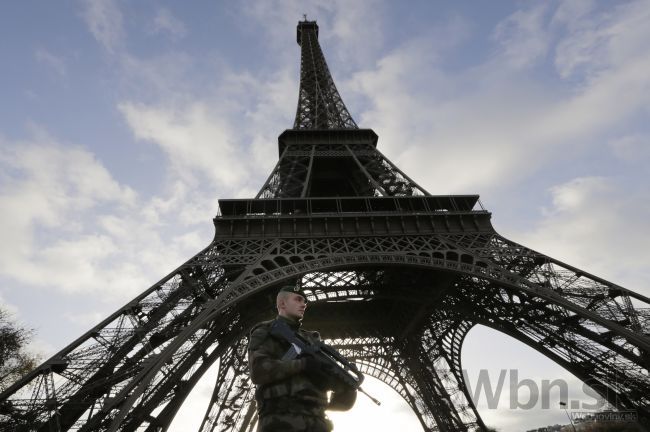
[371, 398]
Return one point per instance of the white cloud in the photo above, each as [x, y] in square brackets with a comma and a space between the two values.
[69, 226]
[194, 139]
[165, 74]
[166, 22]
[86, 318]
[104, 20]
[52, 179]
[190, 415]
[138, 75]
[597, 225]
[342, 29]
[454, 132]
[36, 345]
[52, 61]
[475, 130]
[42, 349]
[596, 42]
[10, 308]
[223, 133]
[632, 148]
[340, 19]
[523, 37]
[503, 357]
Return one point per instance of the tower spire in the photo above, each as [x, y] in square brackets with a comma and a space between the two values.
[319, 104]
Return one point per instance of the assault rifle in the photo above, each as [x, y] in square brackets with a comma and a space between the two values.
[343, 371]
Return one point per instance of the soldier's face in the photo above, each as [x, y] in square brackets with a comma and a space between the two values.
[294, 306]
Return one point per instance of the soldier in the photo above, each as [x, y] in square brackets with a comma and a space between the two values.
[291, 394]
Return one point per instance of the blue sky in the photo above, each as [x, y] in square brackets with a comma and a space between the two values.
[122, 124]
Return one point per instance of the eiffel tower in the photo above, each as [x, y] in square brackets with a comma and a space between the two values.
[396, 278]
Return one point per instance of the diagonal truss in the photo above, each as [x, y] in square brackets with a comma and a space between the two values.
[319, 103]
[363, 169]
[397, 278]
[134, 370]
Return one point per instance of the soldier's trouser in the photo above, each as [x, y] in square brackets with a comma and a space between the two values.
[293, 422]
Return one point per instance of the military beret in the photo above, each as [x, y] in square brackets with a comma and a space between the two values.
[293, 289]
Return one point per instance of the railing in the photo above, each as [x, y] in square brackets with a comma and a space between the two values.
[348, 205]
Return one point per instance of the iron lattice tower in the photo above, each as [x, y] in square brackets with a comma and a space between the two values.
[396, 276]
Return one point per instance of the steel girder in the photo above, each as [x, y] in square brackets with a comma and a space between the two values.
[232, 405]
[382, 363]
[424, 383]
[319, 103]
[132, 371]
[372, 173]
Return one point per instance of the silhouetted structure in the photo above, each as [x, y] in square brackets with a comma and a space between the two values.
[396, 277]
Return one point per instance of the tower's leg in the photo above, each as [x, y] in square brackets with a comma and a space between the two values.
[232, 399]
[379, 358]
[139, 360]
[440, 351]
[430, 387]
[450, 345]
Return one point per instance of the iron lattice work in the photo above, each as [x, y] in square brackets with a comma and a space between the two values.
[319, 103]
[405, 274]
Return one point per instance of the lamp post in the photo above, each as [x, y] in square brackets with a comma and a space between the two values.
[563, 405]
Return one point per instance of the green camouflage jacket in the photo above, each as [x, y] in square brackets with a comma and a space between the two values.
[277, 378]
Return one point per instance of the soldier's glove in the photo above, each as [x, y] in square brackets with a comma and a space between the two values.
[342, 400]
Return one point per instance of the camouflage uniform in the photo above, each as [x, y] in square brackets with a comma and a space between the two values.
[288, 400]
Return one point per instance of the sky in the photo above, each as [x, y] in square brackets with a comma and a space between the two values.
[122, 123]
